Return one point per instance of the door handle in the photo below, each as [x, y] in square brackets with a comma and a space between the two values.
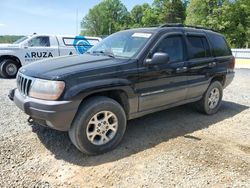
[211, 65]
[181, 69]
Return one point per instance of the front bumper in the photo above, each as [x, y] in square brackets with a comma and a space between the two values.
[54, 114]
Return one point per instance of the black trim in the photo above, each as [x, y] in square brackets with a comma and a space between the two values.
[52, 111]
[74, 39]
[143, 113]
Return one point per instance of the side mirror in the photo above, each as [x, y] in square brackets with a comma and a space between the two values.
[158, 58]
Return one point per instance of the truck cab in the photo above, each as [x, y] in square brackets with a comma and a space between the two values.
[35, 47]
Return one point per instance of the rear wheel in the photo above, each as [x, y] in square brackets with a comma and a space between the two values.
[211, 100]
[9, 68]
[99, 126]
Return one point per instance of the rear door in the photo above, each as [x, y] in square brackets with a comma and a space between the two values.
[164, 84]
[200, 63]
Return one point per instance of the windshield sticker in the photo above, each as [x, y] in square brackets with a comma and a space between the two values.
[142, 35]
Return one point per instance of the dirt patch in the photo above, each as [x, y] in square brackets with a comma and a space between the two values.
[174, 148]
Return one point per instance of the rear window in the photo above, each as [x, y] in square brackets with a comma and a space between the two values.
[219, 45]
[199, 47]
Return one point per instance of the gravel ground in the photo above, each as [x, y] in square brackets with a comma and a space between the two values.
[174, 148]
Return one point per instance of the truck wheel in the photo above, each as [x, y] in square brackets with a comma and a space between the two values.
[99, 126]
[211, 100]
[1, 74]
[9, 68]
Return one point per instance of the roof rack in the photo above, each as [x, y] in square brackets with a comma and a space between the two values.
[183, 25]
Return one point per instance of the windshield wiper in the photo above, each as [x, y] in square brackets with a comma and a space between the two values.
[110, 54]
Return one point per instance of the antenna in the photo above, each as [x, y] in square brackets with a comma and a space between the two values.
[77, 22]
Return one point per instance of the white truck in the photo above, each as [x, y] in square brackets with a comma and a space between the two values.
[36, 47]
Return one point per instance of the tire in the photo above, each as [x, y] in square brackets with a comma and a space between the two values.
[211, 100]
[1, 75]
[90, 118]
[9, 68]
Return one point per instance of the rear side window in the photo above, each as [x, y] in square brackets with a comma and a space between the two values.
[198, 47]
[219, 45]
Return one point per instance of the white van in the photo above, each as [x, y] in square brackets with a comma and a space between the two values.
[36, 47]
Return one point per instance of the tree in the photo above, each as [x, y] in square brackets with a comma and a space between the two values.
[170, 11]
[229, 17]
[232, 18]
[105, 18]
[236, 18]
[137, 14]
[150, 18]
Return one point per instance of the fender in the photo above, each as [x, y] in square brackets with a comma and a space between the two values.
[85, 89]
[218, 72]
[9, 55]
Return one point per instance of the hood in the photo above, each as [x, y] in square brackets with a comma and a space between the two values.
[59, 68]
[6, 46]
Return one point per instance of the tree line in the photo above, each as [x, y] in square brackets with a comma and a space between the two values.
[9, 38]
[229, 17]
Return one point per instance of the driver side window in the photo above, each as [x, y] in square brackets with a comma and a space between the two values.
[173, 46]
[39, 42]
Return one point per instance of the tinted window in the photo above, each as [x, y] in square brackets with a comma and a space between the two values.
[39, 42]
[173, 46]
[79, 41]
[219, 45]
[199, 47]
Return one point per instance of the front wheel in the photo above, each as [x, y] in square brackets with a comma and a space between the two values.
[211, 100]
[99, 126]
[9, 68]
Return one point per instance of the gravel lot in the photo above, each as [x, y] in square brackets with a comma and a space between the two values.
[177, 147]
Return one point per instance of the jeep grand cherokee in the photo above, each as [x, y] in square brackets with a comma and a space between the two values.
[129, 74]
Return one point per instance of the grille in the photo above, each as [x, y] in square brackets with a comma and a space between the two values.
[24, 84]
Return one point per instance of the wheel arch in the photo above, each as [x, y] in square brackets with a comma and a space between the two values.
[117, 94]
[220, 78]
[15, 58]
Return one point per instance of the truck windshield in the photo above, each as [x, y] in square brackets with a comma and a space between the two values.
[124, 44]
[20, 40]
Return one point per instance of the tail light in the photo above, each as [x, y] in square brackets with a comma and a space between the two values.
[232, 64]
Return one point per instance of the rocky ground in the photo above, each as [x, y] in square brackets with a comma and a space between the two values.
[178, 147]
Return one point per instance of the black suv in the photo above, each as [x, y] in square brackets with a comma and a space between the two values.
[129, 74]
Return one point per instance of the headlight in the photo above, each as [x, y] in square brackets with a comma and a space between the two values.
[46, 89]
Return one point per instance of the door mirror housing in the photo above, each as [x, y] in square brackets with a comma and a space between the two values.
[158, 58]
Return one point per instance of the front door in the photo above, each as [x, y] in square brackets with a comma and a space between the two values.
[164, 84]
[39, 47]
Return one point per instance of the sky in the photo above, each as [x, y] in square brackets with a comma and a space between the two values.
[24, 17]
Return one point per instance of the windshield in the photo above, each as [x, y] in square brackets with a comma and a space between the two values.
[123, 44]
[20, 40]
